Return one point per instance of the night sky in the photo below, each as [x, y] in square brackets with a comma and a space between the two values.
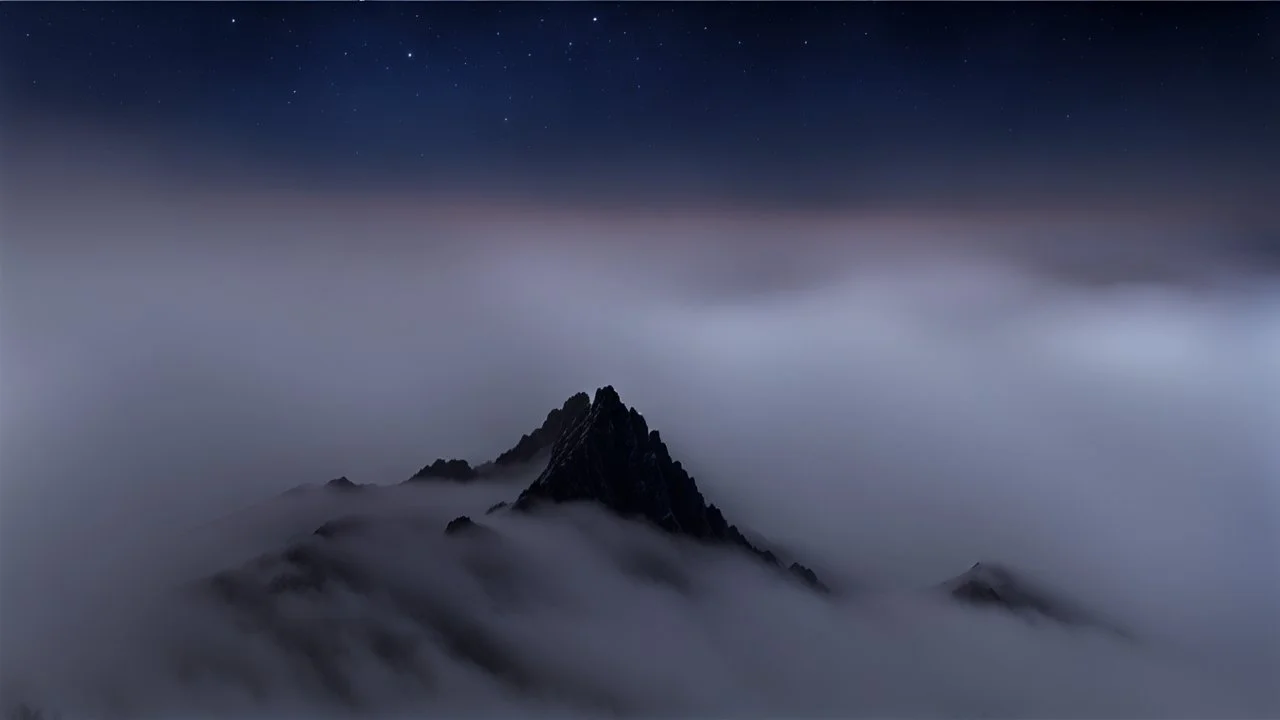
[785, 103]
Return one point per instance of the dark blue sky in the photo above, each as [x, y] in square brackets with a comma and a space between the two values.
[787, 101]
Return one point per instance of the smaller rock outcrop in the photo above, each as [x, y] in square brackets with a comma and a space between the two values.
[341, 484]
[463, 524]
[441, 469]
[342, 526]
[806, 575]
[998, 586]
[496, 507]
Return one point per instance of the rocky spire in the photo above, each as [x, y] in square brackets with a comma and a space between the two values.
[609, 455]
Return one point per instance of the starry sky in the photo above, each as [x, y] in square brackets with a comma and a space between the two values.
[787, 104]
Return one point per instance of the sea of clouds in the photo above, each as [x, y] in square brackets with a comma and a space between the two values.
[889, 424]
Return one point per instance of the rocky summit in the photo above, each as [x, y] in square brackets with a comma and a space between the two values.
[609, 455]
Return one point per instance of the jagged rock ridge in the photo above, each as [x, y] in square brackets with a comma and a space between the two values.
[542, 439]
[610, 456]
[441, 469]
[530, 447]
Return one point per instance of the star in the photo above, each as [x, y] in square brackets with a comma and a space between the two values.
[233, 21]
[410, 54]
[595, 19]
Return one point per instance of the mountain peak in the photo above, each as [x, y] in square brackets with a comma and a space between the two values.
[606, 394]
[609, 455]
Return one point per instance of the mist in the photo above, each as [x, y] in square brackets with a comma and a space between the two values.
[889, 399]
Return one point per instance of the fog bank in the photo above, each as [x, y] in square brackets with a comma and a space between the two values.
[889, 417]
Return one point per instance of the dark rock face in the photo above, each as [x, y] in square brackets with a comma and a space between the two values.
[608, 455]
[459, 524]
[496, 507]
[441, 469]
[541, 439]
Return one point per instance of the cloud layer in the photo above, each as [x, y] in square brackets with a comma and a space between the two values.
[889, 421]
